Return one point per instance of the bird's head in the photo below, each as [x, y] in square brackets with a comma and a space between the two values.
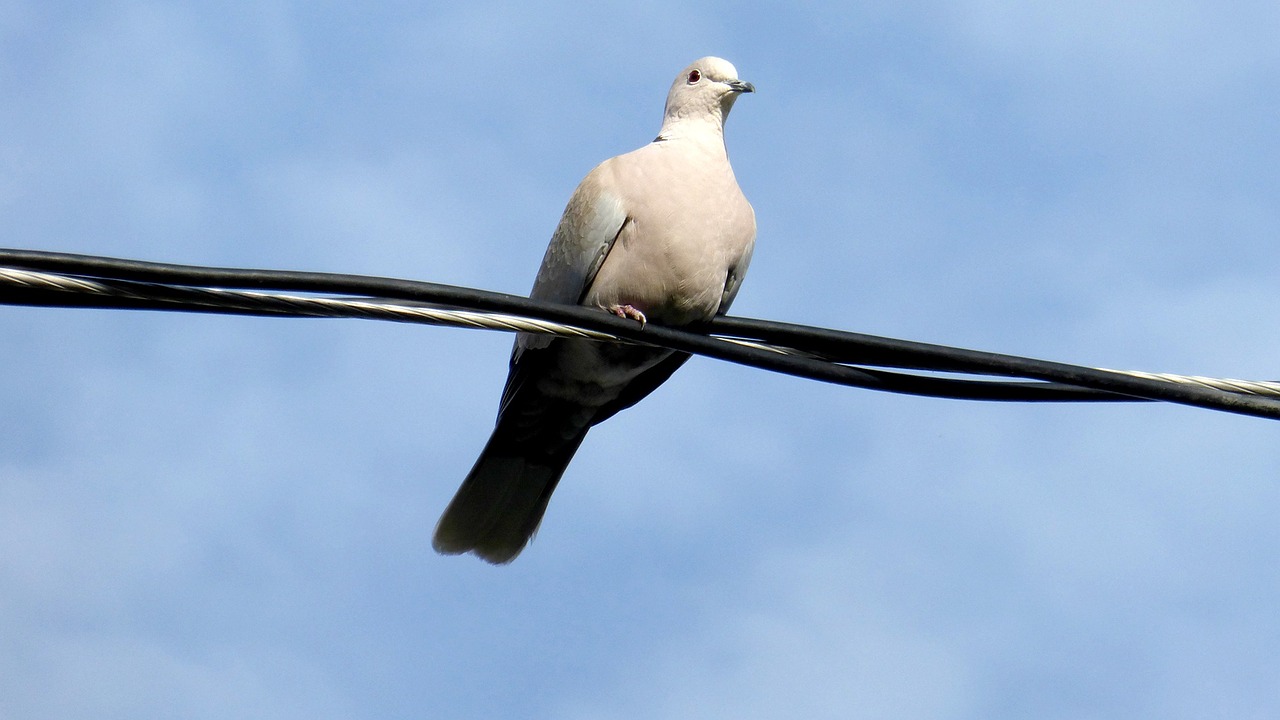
[706, 89]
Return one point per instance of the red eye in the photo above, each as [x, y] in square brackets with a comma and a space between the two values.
[694, 76]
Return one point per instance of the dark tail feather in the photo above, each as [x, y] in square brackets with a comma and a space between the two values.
[499, 506]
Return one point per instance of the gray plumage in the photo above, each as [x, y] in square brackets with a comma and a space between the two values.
[661, 234]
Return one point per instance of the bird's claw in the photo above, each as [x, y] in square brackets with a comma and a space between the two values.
[627, 311]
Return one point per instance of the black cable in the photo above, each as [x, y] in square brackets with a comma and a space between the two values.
[1060, 382]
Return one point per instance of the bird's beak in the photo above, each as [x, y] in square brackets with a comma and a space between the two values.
[742, 87]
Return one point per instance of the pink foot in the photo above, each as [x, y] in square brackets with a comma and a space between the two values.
[626, 311]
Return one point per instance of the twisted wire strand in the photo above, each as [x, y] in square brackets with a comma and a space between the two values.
[1248, 387]
[369, 308]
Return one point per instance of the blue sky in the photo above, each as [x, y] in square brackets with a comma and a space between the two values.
[212, 517]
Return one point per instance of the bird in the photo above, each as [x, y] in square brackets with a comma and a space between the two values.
[660, 234]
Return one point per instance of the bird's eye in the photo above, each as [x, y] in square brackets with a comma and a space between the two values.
[694, 76]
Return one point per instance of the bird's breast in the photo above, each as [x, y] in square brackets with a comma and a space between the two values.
[672, 267]
[687, 224]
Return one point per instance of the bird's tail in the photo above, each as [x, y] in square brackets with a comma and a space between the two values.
[499, 506]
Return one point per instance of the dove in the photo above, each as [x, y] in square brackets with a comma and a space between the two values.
[661, 234]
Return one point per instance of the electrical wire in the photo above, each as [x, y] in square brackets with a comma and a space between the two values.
[37, 278]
